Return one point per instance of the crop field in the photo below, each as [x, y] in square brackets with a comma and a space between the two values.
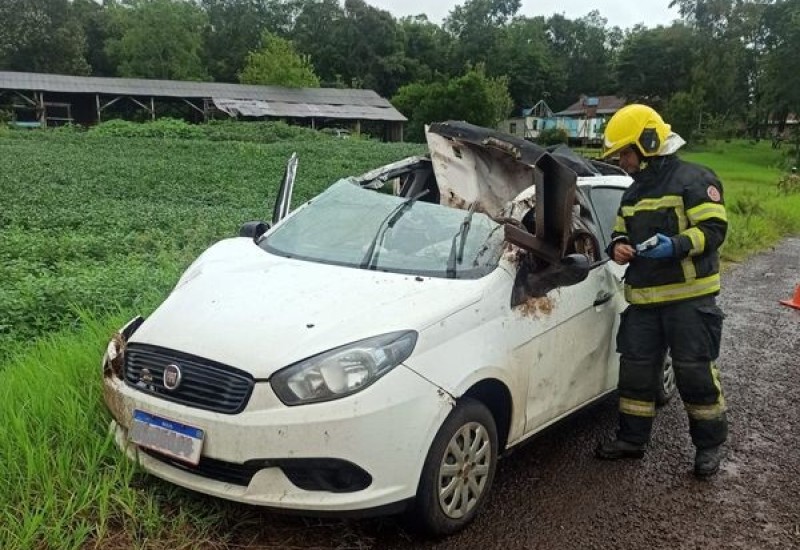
[97, 226]
[102, 222]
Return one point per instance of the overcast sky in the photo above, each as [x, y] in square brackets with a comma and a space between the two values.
[621, 13]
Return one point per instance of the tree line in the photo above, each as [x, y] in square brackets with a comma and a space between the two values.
[727, 65]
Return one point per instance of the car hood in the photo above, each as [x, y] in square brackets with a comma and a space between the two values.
[252, 310]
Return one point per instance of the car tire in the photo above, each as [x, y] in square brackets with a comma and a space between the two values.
[667, 386]
[458, 470]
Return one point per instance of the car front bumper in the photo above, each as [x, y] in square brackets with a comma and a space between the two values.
[384, 430]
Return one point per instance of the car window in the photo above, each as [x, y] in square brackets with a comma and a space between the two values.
[344, 223]
[606, 203]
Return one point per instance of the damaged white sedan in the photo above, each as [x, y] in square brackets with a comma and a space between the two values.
[373, 351]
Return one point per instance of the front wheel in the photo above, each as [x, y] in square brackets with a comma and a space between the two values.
[458, 470]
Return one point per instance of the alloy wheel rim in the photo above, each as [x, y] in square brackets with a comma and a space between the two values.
[669, 378]
[464, 470]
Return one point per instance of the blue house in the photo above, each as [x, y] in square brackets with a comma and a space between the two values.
[530, 124]
[585, 120]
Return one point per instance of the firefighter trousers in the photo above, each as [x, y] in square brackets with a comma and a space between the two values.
[690, 331]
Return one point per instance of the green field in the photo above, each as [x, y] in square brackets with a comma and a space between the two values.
[103, 223]
[758, 212]
[96, 227]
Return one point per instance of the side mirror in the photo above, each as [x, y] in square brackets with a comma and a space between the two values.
[535, 278]
[573, 269]
[254, 230]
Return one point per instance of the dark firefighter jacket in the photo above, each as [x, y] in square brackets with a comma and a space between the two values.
[683, 201]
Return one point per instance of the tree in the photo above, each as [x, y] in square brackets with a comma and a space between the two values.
[158, 39]
[428, 48]
[477, 25]
[41, 36]
[711, 16]
[319, 33]
[95, 20]
[235, 29]
[473, 97]
[523, 53]
[352, 46]
[683, 111]
[752, 28]
[277, 63]
[653, 64]
[375, 47]
[579, 50]
[719, 74]
[782, 81]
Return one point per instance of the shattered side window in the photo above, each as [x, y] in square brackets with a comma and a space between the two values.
[606, 203]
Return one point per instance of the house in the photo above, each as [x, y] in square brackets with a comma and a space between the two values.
[530, 124]
[585, 120]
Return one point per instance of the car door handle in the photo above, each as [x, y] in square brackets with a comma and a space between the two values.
[602, 298]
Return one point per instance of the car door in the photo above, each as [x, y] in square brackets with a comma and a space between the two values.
[283, 200]
[560, 329]
[605, 200]
[566, 341]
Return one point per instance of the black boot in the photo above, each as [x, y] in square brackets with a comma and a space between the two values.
[706, 461]
[614, 449]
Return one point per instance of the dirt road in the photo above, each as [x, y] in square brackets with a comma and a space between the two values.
[553, 494]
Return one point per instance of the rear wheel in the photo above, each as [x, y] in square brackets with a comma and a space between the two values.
[458, 470]
[667, 386]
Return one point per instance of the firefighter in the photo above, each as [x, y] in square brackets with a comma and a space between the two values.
[674, 212]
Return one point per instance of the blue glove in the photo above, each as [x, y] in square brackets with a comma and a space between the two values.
[664, 249]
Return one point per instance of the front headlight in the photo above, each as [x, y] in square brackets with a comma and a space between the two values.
[342, 371]
[113, 358]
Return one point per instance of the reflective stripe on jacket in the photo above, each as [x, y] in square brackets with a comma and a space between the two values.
[683, 201]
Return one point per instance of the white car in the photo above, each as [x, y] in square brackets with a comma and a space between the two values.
[375, 350]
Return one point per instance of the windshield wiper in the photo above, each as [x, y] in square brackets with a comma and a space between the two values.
[458, 257]
[388, 222]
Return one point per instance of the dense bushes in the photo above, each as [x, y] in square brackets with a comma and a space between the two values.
[163, 128]
[259, 132]
[227, 130]
[552, 136]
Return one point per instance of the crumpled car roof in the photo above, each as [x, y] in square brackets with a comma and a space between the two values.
[483, 167]
[523, 150]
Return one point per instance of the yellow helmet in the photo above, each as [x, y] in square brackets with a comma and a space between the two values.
[637, 125]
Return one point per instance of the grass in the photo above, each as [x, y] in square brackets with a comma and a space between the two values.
[95, 228]
[63, 483]
[92, 221]
[759, 213]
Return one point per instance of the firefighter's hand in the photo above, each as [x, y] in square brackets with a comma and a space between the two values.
[623, 253]
[664, 249]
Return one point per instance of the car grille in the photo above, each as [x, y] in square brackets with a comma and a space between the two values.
[204, 384]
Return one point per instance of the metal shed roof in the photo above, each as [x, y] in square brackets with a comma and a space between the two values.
[604, 105]
[259, 108]
[299, 102]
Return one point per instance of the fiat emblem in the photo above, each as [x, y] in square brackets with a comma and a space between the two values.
[172, 376]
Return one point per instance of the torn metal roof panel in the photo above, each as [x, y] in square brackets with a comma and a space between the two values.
[260, 108]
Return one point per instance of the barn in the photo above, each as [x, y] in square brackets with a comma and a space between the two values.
[38, 100]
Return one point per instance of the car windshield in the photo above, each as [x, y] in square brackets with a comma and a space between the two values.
[350, 226]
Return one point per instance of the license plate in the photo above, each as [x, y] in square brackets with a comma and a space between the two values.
[167, 437]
